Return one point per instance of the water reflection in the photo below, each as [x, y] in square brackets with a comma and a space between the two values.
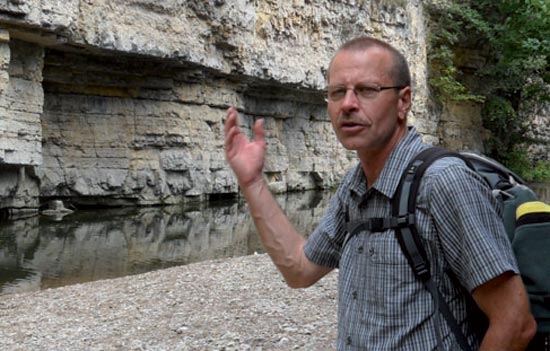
[40, 253]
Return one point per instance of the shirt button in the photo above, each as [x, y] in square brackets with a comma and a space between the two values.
[360, 249]
[348, 340]
[354, 295]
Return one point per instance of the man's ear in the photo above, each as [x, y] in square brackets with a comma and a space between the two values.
[404, 103]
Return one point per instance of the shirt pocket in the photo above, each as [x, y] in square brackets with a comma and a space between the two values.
[391, 280]
[384, 249]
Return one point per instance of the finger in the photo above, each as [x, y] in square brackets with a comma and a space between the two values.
[259, 132]
[231, 121]
[230, 137]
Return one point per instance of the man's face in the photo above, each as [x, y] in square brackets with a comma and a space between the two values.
[366, 124]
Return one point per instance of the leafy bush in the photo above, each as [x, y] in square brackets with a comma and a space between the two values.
[514, 38]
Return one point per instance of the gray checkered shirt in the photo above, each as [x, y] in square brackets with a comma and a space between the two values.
[382, 305]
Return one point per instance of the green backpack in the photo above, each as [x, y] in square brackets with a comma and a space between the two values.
[526, 219]
[527, 223]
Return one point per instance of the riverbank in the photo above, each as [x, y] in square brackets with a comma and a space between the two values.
[231, 304]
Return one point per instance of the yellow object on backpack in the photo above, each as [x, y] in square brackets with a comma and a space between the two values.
[532, 207]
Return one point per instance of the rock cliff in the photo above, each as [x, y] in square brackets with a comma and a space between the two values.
[122, 102]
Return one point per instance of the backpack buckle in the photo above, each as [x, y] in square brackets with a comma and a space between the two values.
[405, 220]
[422, 271]
[377, 224]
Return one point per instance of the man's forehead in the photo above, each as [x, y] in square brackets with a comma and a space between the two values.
[371, 51]
[372, 57]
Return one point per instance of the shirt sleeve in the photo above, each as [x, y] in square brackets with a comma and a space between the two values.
[324, 246]
[469, 223]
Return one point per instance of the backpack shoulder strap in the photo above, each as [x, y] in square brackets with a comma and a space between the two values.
[404, 201]
[403, 211]
[407, 190]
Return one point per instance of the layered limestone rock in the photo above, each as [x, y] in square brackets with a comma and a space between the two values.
[157, 138]
[134, 92]
[537, 115]
[117, 102]
[21, 103]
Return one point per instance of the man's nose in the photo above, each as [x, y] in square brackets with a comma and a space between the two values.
[350, 101]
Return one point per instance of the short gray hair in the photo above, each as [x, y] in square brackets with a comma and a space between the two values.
[399, 71]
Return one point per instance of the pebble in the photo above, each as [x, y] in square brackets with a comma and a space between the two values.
[229, 304]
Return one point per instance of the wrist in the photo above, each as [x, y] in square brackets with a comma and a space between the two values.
[253, 186]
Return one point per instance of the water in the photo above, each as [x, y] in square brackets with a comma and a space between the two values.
[41, 252]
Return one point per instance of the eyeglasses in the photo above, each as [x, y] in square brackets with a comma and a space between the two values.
[363, 91]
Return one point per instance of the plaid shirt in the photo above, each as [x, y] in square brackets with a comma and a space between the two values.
[382, 305]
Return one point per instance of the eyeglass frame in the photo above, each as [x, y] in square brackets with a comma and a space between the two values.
[372, 88]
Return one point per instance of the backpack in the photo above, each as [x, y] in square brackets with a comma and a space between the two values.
[525, 218]
[527, 223]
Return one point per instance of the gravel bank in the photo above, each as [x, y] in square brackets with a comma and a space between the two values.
[233, 304]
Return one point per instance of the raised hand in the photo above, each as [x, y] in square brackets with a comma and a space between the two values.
[281, 240]
[246, 157]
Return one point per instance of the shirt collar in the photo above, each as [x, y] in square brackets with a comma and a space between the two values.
[394, 167]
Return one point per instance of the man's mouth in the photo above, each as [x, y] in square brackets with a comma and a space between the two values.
[350, 125]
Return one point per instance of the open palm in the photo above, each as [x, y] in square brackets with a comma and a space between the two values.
[246, 157]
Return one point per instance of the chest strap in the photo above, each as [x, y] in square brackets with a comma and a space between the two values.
[378, 224]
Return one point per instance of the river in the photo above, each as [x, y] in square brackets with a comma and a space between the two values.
[41, 252]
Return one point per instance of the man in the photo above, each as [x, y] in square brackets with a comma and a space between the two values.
[382, 305]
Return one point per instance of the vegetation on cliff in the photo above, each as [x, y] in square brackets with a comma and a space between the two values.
[514, 39]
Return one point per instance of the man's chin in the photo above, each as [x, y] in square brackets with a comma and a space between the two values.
[351, 145]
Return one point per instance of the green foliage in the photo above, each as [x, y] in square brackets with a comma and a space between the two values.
[519, 163]
[445, 76]
[502, 120]
[541, 172]
[514, 36]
